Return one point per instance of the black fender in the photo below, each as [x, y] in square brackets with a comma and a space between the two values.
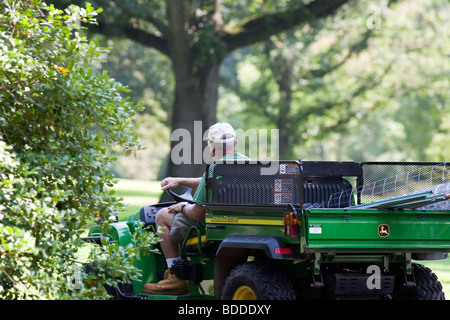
[233, 251]
[273, 247]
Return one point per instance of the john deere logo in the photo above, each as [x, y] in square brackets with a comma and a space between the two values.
[383, 230]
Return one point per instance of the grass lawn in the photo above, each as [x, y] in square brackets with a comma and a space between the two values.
[139, 193]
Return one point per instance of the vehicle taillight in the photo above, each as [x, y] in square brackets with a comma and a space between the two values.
[283, 251]
[291, 228]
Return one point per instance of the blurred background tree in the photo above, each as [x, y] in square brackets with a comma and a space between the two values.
[344, 90]
[367, 82]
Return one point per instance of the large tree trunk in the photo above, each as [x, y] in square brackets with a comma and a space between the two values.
[194, 111]
[195, 96]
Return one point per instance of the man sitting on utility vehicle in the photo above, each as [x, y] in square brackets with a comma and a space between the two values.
[222, 143]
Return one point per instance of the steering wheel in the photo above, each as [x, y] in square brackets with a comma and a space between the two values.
[185, 197]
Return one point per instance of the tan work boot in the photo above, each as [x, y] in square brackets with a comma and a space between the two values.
[169, 285]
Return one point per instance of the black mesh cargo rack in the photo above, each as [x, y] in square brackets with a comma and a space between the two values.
[303, 184]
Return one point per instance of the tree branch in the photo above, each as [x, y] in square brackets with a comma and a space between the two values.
[373, 82]
[356, 47]
[146, 39]
[160, 25]
[260, 27]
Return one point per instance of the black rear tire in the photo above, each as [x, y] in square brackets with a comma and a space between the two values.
[258, 282]
[427, 286]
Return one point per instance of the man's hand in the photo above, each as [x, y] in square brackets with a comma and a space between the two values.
[170, 183]
[175, 208]
[192, 211]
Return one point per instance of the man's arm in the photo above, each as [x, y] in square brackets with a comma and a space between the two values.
[193, 211]
[170, 183]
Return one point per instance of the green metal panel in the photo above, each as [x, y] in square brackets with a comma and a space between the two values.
[377, 230]
[118, 232]
[147, 262]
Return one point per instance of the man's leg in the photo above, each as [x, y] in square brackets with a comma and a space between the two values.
[170, 249]
[170, 284]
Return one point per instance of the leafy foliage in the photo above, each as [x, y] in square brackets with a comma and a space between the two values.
[58, 121]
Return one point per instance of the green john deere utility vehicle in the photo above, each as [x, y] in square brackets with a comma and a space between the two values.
[307, 230]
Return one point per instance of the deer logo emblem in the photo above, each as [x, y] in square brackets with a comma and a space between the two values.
[383, 230]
